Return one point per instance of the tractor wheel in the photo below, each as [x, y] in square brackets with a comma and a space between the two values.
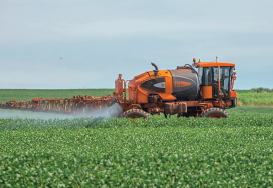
[215, 113]
[135, 113]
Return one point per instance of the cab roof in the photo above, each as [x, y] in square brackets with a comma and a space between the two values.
[214, 64]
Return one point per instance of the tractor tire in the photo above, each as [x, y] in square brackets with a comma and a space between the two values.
[215, 113]
[135, 113]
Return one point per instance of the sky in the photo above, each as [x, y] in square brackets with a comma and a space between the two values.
[78, 44]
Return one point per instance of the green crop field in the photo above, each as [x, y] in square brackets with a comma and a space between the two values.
[255, 97]
[156, 152]
[28, 94]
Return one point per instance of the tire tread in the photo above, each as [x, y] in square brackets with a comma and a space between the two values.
[215, 111]
[136, 111]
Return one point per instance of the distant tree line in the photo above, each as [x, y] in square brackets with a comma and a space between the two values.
[262, 90]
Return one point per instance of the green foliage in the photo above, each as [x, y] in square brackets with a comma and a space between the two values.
[255, 97]
[261, 90]
[255, 90]
[175, 152]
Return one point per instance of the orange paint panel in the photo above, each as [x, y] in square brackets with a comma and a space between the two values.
[131, 84]
[131, 88]
[151, 73]
[164, 73]
[142, 94]
[142, 98]
[206, 92]
[132, 94]
[168, 85]
[166, 97]
[214, 64]
[233, 94]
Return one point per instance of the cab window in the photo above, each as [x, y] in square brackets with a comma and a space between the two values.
[224, 80]
[200, 74]
[207, 76]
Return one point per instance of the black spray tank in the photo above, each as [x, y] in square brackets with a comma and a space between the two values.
[185, 83]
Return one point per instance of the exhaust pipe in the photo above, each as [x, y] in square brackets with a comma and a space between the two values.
[156, 69]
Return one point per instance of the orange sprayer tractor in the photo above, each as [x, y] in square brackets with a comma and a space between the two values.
[203, 89]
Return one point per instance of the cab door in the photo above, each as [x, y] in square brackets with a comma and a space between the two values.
[205, 75]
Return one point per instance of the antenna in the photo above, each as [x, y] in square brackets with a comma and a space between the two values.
[216, 59]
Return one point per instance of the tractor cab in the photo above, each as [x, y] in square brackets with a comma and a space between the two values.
[216, 79]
